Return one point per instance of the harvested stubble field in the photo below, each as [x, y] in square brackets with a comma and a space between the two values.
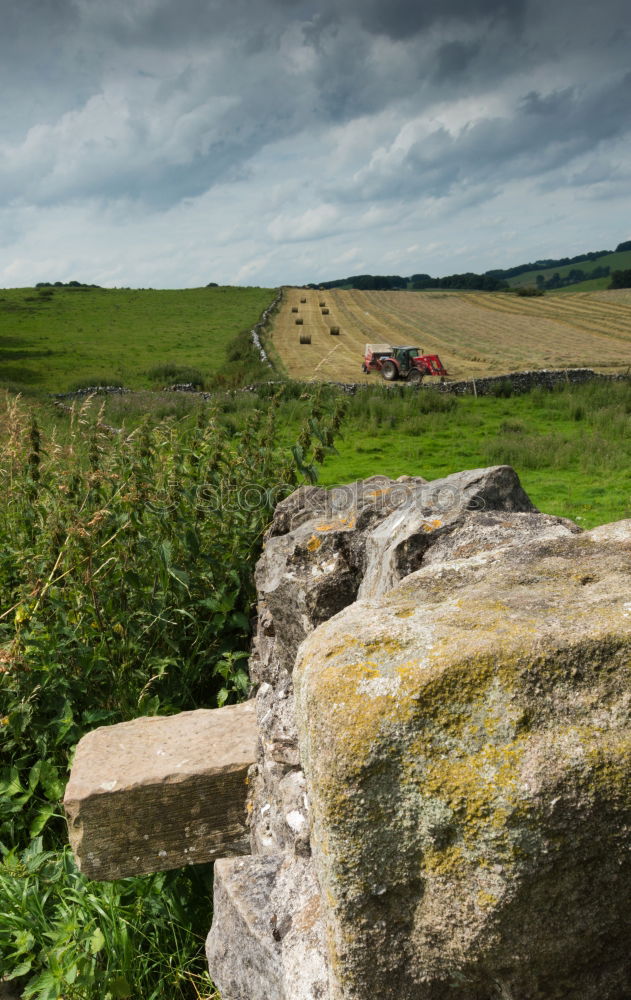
[475, 333]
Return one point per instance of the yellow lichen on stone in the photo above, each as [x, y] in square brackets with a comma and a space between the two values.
[314, 543]
[449, 862]
[429, 526]
[386, 646]
[460, 784]
[609, 761]
[349, 640]
[456, 751]
[357, 708]
[339, 522]
[486, 900]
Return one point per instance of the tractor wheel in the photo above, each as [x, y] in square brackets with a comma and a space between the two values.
[389, 371]
[415, 376]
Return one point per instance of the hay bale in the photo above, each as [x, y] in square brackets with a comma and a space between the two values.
[305, 338]
[334, 331]
[299, 321]
[322, 304]
[303, 300]
[294, 309]
[325, 312]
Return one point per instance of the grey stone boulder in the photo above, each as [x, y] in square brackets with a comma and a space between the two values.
[318, 540]
[466, 745]
[398, 544]
[619, 531]
[326, 547]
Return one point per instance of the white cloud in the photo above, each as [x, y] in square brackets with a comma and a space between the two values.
[312, 223]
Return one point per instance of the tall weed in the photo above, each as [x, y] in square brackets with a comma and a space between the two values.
[126, 564]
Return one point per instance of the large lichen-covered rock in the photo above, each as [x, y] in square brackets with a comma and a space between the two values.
[466, 745]
[324, 548]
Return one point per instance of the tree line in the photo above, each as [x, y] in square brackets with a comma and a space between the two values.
[490, 281]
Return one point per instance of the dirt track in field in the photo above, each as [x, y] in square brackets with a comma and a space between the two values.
[475, 333]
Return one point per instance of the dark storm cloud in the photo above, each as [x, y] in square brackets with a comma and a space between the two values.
[401, 19]
[454, 59]
[164, 21]
[544, 133]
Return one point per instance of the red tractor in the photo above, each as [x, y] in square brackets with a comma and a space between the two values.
[401, 362]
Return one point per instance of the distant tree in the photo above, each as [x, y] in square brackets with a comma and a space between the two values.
[621, 279]
[623, 246]
[576, 275]
[212, 284]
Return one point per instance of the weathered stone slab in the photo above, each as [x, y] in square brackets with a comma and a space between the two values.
[268, 936]
[466, 742]
[161, 792]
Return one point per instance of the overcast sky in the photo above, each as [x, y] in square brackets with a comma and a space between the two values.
[169, 143]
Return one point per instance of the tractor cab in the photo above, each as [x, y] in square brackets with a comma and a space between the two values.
[405, 356]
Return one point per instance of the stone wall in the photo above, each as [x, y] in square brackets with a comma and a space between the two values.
[514, 382]
[438, 804]
[258, 328]
[438, 808]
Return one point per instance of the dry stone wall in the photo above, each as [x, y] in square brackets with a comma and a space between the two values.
[366, 877]
[437, 804]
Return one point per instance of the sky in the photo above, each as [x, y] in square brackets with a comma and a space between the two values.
[171, 143]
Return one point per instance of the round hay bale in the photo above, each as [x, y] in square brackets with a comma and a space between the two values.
[322, 304]
[299, 321]
[303, 300]
[325, 312]
[305, 338]
[294, 309]
[334, 331]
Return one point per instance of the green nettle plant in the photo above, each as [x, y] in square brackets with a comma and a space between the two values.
[125, 589]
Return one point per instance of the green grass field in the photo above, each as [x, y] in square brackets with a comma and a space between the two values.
[138, 338]
[616, 261]
[592, 285]
[571, 449]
